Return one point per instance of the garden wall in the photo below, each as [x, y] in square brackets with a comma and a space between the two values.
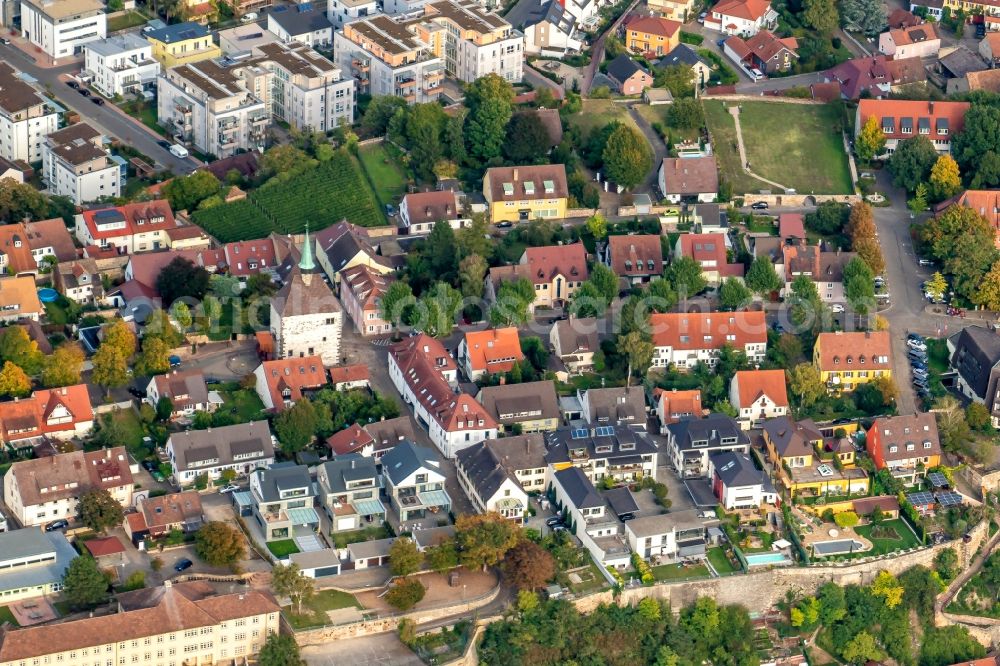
[799, 200]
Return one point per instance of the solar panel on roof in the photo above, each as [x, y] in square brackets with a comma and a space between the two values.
[921, 498]
[949, 499]
[579, 433]
[938, 479]
[604, 431]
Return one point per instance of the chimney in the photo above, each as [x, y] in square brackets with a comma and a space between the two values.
[515, 174]
[930, 105]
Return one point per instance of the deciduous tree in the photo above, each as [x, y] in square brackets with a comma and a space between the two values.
[482, 540]
[405, 593]
[911, 162]
[186, 192]
[528, 566]
[489, 99]
[289, 581]
[806, 384]
[99, 511]
[859, 285]
[471, 273]
[17, 347]
[686, 277]
[404, 557]
[154, 358]
[862, 649]
[945, 179]
[597, 225]
[296, 427]
[64, 367]
[761, 276]
[13, 381]
[678, 79]
[865, 16]
[627, 157]
[181, 278]
[733, 294]
[822, 15]
[20, 200]
[686, 113]
[638, 349]
[83, 583]
[219, 544]
[871, 140]
[527, 138]
[513, 303]
[280, 650]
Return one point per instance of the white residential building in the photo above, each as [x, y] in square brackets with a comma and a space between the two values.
[204, 104]
[61, 28]
[477, 43]
[737, 483]
[301, 23]
[25, 118]
[683, 339]
[488, 482]
[741, 17]
[426, 376]
[344, 11]
[758, 395]
[242, 448]
[551, 30]
[678, 534]
[45, 489]
[76, 165]
[121, 64]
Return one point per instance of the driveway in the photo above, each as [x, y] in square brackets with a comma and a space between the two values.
[779, 83]
[659, 152]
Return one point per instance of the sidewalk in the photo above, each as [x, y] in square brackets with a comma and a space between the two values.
[41, 59]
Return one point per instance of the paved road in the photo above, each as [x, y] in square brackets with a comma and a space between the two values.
[659, 152]
[108, 118]
[539, 81]
[597, 50]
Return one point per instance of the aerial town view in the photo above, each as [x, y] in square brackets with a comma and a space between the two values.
[500, 332]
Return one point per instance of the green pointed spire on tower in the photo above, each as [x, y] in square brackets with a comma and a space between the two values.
[306, 263]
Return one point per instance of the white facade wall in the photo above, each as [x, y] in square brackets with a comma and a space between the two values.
[34, 515]
[504, 58]
[117, 74]
[508, 490]
[61, 38]
[684, 359]
[21, 137]
[382, 77]
[63, 179]
[340, 12]
[322, 108]
[315, 38]
[307, 335]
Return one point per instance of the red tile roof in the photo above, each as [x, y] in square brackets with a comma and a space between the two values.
[44, 413]
[678, 402]
[147, 266]
[653, 25]
[838, 351]
[493, 350]
[431, 206]
[421, 361]
[103, 546]
[752, 384]
[689, 330]
[142, 217]
[367, 286]
[791, 225]
[891, 113]
[349, 373]
[294, 375]
[635, 255]
[689, 176]
[986, 203]
[547, 262]
[250, 257]
[750, 10]
[350, 440]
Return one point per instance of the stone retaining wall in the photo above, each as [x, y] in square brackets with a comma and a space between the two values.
[799, 200]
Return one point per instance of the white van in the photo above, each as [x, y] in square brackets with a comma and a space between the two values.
[179, 151]
[246, 18]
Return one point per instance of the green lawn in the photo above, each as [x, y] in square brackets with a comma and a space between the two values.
[129, 422]
[658, 114]
[597, 113]
[384, 173]
[7, 616]
[592, 580]
[130, 19]
[905, 538]
[668, 572]
[796, 145]
[721, 563]
[314, 611]
[145, 113]
[282, 549]
[247, 403]
[342, 539]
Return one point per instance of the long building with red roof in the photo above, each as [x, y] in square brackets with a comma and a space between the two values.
[682, 339]
[426, 376]
[904, 119]
[135, 227]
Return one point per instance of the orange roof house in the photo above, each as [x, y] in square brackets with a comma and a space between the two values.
[60, 413]
[672, 406]
[492, 351]
[758, 395]
[741, 17]
[902, 119]
[281, 382]
[984, 202]
[682, 339]
[349, 376]
[846, 360]
[652, 36]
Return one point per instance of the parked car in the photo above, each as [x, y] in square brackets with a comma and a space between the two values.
[73, 84]
[229, 488]
[84, 92]
[920, 373]
[702, 17]
[136, 392]
[56, 525]
[925, 262]
[97, 100]
[149, 466]
[163, 144]
[504, 225]
[390, 210]
[915, 336]
[183, 564]
[4, 41]
[836, 308]
[759, 205]
[175, 361]
[918, 365]
[553, 521]
[919, 345]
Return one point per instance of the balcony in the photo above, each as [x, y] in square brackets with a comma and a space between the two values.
[259, 119]
[361, 64]
[402, 83]
[183, 109]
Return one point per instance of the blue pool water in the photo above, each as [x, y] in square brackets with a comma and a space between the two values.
[761, 559]
[46, 295]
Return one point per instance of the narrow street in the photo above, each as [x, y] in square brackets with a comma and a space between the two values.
[659, 152]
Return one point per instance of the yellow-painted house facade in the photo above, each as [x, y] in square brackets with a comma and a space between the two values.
[794, 448]
[848, 360]
[524, 193]
[182, 44]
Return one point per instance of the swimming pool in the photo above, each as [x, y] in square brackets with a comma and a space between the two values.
[839, 547]
[763, 559]
[46, 295]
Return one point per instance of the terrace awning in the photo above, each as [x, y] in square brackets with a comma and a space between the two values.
[368, 507]
[303, 516]
[434, 498]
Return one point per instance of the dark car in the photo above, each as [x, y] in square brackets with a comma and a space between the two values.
[626, 517]
[390, 210]
[136, 392]
[183, 564]
[84, 92]
[915, 336]
[553, 521]
[175, 361]
[163, 144]
[504, 225]
[150, 466]
[760, 205]
[4, 41]
[56, 525]
[97, 100]
[73, 84]
[919, 365]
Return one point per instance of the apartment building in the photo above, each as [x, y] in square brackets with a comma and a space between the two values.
[25, 118]
[907, 445]
[902, 119]
[300, 86]
[45, 489]
[361, 292]
[386, 57]
[182, 44]
[282, 497]
[161, 626]
[683, 339]
[477, 43]
[61, 28]
[120, 64]
[206, 105]
[344, 11]
[524, 193]
[132, 228]
[76, 165]
[349, 492]
[489, 482]
[414, 482]
[690, 443]
[846, 360]
[242, 448]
